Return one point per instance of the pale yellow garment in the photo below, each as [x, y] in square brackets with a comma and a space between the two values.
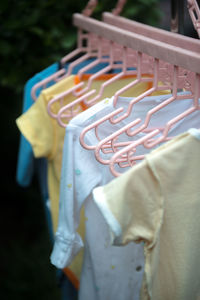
[158, 202]
[47, 138]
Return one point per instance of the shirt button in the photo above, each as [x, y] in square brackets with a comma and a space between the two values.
[138, 268]
[78, 172]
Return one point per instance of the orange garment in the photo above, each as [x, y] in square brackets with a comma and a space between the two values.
[105, 77]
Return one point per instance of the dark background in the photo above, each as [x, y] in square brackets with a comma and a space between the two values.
[34, 34]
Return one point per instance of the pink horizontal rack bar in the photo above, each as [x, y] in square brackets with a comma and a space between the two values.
[158, 34]
[175, 55]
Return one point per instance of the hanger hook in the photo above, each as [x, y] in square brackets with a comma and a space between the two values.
[119, 7]
[88, 10]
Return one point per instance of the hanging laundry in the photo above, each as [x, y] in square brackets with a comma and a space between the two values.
[47, 141]
[131, 267]
[157, 202]
[81, 173]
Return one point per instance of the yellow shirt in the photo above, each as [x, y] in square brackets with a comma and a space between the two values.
[47, 138]
[157, 202]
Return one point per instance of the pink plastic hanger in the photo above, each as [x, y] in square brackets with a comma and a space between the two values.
[159, 74]
[113, 19]
[105, 47]
[78, 89]
[116, 54]
[179, 81]
[102, 56]
[172, 38]
[83, 38]
[91, 48]
[92, 42]
[167, 70]
[126, 158]
[129, 59]
[186, 80]
[175, 39]
[69, 107]
[68, 111]
[91, 51]
[147, 45]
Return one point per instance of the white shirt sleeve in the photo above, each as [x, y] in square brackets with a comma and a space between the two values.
[78, 177]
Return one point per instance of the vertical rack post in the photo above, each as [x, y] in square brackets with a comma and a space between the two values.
[177, 16]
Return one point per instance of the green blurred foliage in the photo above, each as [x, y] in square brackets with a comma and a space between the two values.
[36, 33]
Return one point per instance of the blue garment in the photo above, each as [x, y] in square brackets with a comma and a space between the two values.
[25, 162]
[93, 70]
